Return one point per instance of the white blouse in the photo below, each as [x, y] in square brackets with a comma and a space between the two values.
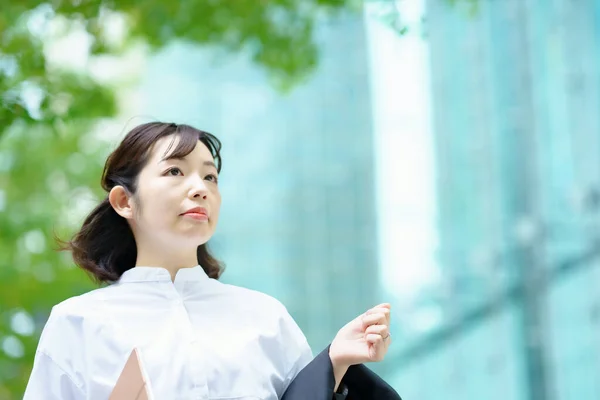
[198, 338]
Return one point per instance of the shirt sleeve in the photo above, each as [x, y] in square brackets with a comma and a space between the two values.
[49, 382]
[296, 348]
[58, 366]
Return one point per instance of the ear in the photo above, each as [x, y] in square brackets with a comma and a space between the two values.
[121, 202]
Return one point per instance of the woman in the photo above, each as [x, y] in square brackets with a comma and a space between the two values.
[198, 338]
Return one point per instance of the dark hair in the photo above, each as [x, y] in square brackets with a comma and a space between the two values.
[104, 246]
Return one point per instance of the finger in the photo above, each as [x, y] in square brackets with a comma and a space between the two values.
[388, 313]
[383, 310]
[386, 305]
[382, 330]
[374, 339]
[379, 308]
[374, 319]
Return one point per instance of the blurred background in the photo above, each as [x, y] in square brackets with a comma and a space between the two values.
[441, 155]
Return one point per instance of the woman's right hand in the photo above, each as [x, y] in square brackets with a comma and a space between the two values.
[364, 339]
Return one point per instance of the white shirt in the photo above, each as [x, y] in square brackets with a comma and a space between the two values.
[198, 338]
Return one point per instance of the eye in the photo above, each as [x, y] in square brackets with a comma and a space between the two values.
[212, 178]
[174, 172]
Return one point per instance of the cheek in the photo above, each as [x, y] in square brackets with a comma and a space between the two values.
[217, 204]
[157, 206]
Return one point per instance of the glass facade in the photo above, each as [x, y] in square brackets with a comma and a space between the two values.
[298, 214]
[515, 92]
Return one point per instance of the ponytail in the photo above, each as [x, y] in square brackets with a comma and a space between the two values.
[104, 247]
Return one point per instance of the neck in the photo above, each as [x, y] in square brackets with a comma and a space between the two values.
[167, 260]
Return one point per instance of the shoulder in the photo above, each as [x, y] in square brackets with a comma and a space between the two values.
[67, 338]
[260, 306]
[70, 319]
[253, 298]
[84, 306]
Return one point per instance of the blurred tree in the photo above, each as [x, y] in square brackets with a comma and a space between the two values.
[276, 34]
[51, 158]
[388, 12]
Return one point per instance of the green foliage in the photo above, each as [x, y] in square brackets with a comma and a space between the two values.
[51, 158]
[276, 34]
[44, 179]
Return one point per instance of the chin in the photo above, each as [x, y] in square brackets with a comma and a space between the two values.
[195, 240]
[192, 236]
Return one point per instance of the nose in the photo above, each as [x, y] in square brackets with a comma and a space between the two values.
[197, 188]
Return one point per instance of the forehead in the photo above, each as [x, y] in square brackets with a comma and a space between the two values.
[164, 147]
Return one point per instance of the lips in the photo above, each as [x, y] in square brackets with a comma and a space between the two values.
[197, 213]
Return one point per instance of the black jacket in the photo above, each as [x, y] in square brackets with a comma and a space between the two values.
[316, 382]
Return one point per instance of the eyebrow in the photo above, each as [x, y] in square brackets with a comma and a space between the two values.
[206, 163]
[209, 164]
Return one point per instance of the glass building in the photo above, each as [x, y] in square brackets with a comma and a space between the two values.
[515, 94]
[298, 215]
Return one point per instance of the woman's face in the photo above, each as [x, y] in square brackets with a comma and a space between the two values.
[177, 200]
